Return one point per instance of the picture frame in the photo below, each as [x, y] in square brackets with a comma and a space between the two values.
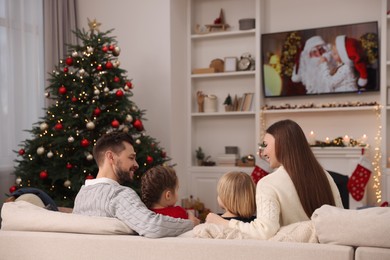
[230, 64]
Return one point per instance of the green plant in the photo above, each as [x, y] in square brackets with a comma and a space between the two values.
[200, 154]
[228, 100]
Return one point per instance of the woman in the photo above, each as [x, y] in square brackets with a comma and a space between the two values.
[298, 186]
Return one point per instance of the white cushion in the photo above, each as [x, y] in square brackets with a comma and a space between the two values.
[24, 216]
[352, 227]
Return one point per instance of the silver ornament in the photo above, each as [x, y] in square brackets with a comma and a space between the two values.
[18, 181]
[70, 139]
[50, 154]
[138, 141]
[129, 118]
[90, 125]
[40, 150]
[43, 126]
[67, 183]
[89, 157]
[75, 54]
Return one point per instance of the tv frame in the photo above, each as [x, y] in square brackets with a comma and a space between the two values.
[277, 42]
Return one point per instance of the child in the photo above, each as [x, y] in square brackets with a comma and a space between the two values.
[236, 195]
[348, 54]
[159, 191]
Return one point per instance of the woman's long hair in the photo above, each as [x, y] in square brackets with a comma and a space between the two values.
[293, 151]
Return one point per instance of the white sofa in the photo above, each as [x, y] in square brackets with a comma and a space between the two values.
[30, 232]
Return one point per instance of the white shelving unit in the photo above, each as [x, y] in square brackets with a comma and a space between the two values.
[238, 128]
[214, 131]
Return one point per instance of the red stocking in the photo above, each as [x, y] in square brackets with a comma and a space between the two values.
[260, 171]
[358, 181]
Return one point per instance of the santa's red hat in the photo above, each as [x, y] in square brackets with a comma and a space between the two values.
[352, 54]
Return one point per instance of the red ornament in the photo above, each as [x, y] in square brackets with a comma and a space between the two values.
[109, 65]
[22, 151]
[111, 47]
[97, 111]
[43, 175]
[69, 61]
[129, 84]
[66, 69]
[12, 189]
[149, 159]
[69, 166]
[74, 99]
[58, 127]
[105, 48]
[99, 67]
[62, 90]
[119, 93]
[116, 79]
[115, 123]
[163, 154]
[138, 125]
[89, 177]
[84, 142]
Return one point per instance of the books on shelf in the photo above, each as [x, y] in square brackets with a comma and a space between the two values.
[243, 103]
[227, 159]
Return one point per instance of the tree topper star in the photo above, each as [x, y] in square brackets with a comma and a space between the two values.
[93, 25]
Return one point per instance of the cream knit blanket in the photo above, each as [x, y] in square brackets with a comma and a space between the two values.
[303, 232]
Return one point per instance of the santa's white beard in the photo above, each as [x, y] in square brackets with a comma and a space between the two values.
[311, 77]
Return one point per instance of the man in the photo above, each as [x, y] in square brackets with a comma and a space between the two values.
[307, 69]
[105, 196]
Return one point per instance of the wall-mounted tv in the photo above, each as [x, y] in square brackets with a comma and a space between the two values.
[327, 60]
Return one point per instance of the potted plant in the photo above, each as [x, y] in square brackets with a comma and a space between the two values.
[200, 156]
[228, 103]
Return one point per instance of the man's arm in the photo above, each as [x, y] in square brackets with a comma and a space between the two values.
[128, 207]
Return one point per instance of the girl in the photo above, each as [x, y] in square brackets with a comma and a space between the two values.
[159, 191]
[236, 195]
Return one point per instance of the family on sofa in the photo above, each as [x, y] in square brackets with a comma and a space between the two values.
[283, 200]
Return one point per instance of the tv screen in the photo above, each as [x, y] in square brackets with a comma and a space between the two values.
[328, 60]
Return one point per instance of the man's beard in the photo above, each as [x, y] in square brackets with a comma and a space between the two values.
[122, 175]
[311, 75]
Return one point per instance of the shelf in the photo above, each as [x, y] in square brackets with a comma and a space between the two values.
[224, 74]
[310, 110]
[223, 34]
[218, 169]
[388, 63]
[235, 113]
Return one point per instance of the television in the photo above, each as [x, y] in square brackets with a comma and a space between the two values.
[327, 60]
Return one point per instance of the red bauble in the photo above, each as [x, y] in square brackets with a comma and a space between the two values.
[149, 159]
[138, 125]
[69, 61]
[69, 166]
[99, 67]
[111, 47]
[116, 79]
[58, 126]
[12, 189]
[97, 111]
[22, 151]
[115, 123]
[105, 48]
[163, 154]
[129, 84]
[62, 90]
[109, 65]
[43, 175]
[66, 69]
[89, 177]
[74, 99]
[119, 93]
[84, 142]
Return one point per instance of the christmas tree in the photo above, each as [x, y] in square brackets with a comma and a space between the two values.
[90, 96]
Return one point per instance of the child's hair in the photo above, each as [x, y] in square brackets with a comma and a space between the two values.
[155, 181]
[237, 192]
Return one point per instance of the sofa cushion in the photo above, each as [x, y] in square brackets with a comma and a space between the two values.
[24, 216]
[363, 227]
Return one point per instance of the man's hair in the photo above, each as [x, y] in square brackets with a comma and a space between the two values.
[113, 141]
[237, 192]
[155, 181]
